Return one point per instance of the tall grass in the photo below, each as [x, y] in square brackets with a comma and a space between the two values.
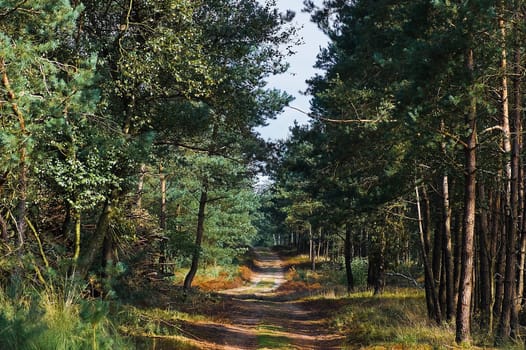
[396, 318]
[55, 319]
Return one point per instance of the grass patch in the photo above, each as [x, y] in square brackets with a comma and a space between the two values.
[268, 338]
[329, 275]
[57, 319]
[216, 277]
[268, 341]
[147, 343]
[395, 319]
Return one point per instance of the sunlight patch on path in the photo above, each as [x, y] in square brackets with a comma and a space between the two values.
[266, 280]
[256, 318]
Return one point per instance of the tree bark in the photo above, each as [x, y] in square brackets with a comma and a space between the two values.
[486, 274]
[4, 234]
[516, 161]
[198, 237]
[437, 262]
[448, 251]
[162, 219]
[433, 307]
[97, 240]
[508, 318]
[463, 323]
[21, 209]
[140, 187]
[348, 258]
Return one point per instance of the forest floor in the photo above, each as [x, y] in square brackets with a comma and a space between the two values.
[281, 306]
[259, 315]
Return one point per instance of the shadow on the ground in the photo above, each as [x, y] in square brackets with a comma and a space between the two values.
[258, 316]
[254, 316]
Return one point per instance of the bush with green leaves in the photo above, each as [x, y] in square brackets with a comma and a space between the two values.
[359, 270]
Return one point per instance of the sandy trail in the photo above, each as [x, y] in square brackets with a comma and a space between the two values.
[257, 317]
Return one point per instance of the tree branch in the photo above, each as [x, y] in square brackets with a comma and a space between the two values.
[8, 12]
[337, 121]
[409, 278]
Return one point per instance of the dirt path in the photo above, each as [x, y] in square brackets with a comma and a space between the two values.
[257, 317]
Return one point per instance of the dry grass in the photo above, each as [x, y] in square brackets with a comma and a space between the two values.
[223, 281]
[295, 286]
[395, 320]
[215, 278]
[246, 273]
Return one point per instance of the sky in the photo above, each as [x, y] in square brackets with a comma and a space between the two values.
[301, 69]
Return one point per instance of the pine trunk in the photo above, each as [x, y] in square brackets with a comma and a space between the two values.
[463, 322]
[348, 258]
[485, 275]
[433, 307]
[448, 251]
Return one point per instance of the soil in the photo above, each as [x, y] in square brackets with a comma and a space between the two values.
[258, 316]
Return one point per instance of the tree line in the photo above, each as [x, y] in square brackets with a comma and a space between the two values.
[414, 152]
[127, 127]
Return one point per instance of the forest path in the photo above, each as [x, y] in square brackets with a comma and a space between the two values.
[257, 316]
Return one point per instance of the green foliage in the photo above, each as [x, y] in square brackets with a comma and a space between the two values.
[270, 341]
[360, 267]
[89, 94]
[56, 319]
[393, 319]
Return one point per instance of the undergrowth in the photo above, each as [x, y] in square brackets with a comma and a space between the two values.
[55, 319]
[396, 318]
[216, 277]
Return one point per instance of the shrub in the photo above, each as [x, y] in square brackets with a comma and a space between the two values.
[56, 319]
[359, 269]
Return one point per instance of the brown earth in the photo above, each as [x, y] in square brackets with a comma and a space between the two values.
[259, 316]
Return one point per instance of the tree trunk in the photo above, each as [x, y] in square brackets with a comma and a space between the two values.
[457, 251]
[463, 324]
[437, 263]
[486, 274]
[320, 243]
[508, 324]
[108, 252]
[312, 249]
[97, 239]
[433, 308]
[162, 220]
[500, 237]
[140, 187]
[4, 234]
[507, 317]
[448, 251]
[21, 209]
[348, 258]
[76, 255]
[198, 237]
[379, 281]
[516, 161]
